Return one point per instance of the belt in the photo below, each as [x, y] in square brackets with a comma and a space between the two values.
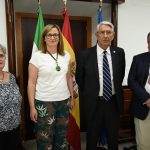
[102, 98]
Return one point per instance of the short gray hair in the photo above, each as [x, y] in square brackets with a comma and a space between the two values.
[105, 23]
[3, 49]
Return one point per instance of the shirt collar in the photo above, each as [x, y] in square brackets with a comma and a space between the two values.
[100, 50]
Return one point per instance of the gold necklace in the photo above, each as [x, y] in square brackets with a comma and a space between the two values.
[1, 80]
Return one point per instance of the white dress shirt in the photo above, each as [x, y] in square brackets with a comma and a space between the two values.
[100, 68]
[147, 85]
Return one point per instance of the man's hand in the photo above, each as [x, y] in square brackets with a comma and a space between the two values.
[147, 103]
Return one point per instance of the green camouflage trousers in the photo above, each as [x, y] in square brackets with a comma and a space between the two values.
[51, 126]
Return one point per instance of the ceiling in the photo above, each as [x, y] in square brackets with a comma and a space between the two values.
[75, 7]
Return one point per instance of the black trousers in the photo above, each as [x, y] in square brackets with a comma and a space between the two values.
[106, 116]
[9, 140]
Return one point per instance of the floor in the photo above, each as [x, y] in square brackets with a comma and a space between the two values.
[31, 145]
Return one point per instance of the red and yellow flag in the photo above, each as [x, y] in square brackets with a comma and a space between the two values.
[73, 135]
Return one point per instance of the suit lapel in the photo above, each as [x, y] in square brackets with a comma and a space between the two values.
[95, 62]
[114, 60]
[146, 64]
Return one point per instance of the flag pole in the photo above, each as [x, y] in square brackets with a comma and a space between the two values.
[39, 2]
[100, 3]
[65, 4]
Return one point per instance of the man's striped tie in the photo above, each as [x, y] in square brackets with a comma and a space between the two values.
[107, 85]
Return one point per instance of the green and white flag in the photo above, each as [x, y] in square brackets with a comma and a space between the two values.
[39, 28]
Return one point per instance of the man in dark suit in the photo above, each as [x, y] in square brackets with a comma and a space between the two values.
[139, 82]
[101, 110]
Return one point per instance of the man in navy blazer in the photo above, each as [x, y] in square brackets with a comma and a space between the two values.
[98, 111]
[139, 82]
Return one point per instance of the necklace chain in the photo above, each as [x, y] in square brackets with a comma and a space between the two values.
[1, 80]
[56, 60]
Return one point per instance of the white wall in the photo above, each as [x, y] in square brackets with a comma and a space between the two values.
[133, 27]
[3, 32]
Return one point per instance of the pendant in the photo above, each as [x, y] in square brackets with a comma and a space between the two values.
[1, 81]
[58, 68]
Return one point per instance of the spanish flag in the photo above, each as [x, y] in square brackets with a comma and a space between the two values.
[73, 135]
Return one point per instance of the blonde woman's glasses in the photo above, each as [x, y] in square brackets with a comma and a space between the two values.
[50, 36]
[2, 55]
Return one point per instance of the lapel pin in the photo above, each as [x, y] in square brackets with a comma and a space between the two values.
[114, 51]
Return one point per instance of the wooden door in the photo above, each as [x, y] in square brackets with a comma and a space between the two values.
[25, 30]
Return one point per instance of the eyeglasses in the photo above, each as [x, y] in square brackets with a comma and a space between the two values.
[102, 33]
[2, 55]
[55, 36]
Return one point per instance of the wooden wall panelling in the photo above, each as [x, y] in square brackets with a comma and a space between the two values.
[126, 132]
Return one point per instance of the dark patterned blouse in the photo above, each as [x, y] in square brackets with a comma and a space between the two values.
[10, 105]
